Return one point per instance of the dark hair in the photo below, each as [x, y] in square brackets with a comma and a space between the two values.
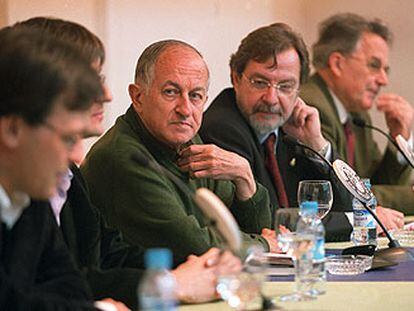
[266, 42]
[341, 33]
[88, 44]
[38, 72]
[144, 70]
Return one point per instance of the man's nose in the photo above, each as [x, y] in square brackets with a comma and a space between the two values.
[106, 95]
[183, 106]
[271, 96]
[382, 77]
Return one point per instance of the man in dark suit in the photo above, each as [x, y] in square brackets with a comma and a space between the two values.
[266, 72]
[46, 89]
[351, 68]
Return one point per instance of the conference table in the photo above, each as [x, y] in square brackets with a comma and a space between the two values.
[390, 288]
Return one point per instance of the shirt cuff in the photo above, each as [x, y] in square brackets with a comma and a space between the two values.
[400, 158]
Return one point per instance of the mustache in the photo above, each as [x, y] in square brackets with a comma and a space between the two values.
[262, 107]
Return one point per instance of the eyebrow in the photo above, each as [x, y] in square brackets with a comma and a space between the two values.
[176, 85]
[374, 58]
[260, 76]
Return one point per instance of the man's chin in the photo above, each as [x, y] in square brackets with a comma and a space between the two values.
[263, 127]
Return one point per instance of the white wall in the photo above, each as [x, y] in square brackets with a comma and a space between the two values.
[215, 27]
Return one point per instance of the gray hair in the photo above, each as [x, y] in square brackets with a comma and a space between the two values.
[341, 33]
[144, 70]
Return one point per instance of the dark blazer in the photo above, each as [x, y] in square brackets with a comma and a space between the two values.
[389, 177]
[224, 125]
[113, 268]
[36, 270]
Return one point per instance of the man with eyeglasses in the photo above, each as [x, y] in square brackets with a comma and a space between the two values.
[351, 61]
[46, 90]
[252, 118]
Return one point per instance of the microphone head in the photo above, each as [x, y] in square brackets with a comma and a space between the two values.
[352, 182]
[359, 121]
[220, 217]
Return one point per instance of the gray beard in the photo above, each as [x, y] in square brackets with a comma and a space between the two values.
[264, 128]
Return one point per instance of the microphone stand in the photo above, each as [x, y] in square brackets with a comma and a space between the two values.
[394, 252]
[361, 123]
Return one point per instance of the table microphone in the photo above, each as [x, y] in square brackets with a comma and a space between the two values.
[220, 218]
[400, 144]
[353, 183]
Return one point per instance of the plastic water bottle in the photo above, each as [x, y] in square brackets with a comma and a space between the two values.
[365, 229]
[314, 276]
[156, 291]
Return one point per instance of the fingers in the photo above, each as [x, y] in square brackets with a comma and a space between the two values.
[391, 219]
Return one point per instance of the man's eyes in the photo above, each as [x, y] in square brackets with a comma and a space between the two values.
[261, 84]
[171, 92]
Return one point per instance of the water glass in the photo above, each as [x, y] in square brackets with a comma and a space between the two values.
[319, 191]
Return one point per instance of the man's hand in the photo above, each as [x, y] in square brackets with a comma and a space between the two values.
[210, 161]
[271, 238]
[304, 124]
[108, 304]
[390, 218]
[399, 114]
[197, 277]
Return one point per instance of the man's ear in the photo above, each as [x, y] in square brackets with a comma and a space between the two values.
[11, 128]
[336, 63]
[135, 91]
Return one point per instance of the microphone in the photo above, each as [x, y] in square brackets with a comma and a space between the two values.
[219, 216]
[400, 143]
[353, 183]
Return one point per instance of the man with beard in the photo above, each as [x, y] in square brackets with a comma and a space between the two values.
[262, 108]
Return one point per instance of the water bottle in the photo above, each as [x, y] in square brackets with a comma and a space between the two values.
[364, 229]
[156, 291]
[314, 275]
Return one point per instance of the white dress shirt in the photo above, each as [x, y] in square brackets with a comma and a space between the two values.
[12, 207]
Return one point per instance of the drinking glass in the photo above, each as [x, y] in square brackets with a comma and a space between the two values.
[319, 191]
[244, 290]
[299, 247]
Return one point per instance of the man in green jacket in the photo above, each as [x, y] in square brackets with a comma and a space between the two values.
[351, 61]
[168, 97]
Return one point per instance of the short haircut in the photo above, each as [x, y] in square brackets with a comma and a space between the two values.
[144, 70]
[88, 44]
[266, 42]
[38, 72]
[341, 33]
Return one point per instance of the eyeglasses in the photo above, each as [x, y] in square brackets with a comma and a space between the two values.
[68, 140]
[286, 89]
[374, 65]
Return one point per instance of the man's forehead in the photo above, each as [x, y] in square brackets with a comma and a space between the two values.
[372, 45]
[180, 62]
[285, 62]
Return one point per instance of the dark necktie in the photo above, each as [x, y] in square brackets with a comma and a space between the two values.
[273, 168]
[350, 142]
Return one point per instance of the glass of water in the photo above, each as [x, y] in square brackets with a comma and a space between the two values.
[319, 191]
[299, 247]
[244, 290]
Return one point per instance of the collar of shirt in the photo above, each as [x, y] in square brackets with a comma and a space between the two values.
[262, 137]
[59, 199]
[12, 207]
[342, 113]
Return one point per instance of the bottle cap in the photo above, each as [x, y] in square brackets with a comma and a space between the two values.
[309, 207]
[158, 258]
[367, 182]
